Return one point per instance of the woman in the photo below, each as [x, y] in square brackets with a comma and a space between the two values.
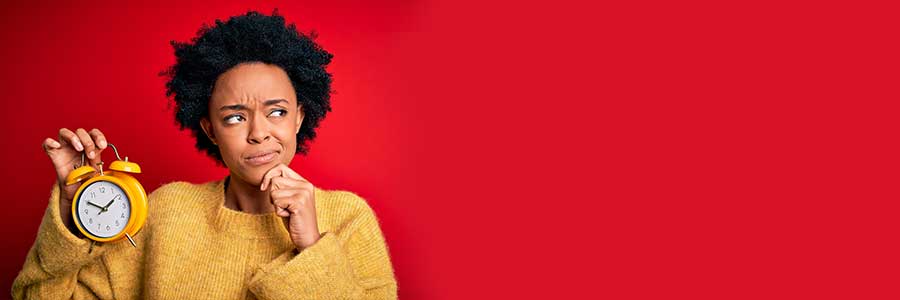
[252, 90]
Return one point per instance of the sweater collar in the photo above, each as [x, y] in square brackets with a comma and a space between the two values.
[244, 224]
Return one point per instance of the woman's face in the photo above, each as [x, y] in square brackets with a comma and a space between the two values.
[254, 118]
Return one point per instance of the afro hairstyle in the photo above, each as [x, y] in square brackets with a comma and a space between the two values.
[248, 38]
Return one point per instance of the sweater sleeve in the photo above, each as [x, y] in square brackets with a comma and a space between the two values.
[61, 265]
[352, 263]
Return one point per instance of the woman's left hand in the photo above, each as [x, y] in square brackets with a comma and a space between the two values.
[294, 200]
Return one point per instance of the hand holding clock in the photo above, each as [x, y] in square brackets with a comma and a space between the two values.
[65, 154]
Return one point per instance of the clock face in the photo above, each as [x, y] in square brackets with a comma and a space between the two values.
[103, 209]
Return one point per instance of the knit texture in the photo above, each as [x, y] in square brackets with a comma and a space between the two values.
[192, 247]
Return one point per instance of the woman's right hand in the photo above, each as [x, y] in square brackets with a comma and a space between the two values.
[65, 154]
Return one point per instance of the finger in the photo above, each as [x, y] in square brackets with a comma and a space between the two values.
[99, 138]
[268, 176]
[278, 183]
[67, 136]
[290, 205]
[285, 172]
[276, 171]
[281, 212]
[281, 208]
[302, 198]
[288, 193]
[290, 173]
[288, 201]
[89, 147]
[50, 144]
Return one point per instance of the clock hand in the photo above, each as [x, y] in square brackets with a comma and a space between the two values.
[111, 202]
[106, 207]
[94, 204]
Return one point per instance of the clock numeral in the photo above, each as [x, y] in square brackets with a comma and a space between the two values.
[123, 215]
[91, 221]
[107, 227]
[117, 223]
[123, 205]
[103, 189]
[98, 226]
[85, 211]
[93, 196]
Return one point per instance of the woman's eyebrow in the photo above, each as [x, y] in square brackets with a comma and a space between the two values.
[274, 101]
[233, 107]
[244, 107]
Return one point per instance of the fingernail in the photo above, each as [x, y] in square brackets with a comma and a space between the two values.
[102, 144]
[78, 146]
[91, 154]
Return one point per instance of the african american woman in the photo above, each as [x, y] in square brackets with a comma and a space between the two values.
[252, 90]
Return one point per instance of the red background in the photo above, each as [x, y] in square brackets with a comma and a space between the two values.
[531, 150]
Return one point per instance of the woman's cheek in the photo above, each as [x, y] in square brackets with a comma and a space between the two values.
[231, 156]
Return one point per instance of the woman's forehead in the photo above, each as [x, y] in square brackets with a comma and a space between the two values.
[252, 84]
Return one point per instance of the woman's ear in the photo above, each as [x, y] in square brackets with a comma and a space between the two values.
[299, 118]
[207, 128]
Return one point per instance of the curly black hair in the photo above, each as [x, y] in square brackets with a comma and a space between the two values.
[252, 37]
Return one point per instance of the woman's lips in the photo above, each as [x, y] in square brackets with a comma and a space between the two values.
[261, 159]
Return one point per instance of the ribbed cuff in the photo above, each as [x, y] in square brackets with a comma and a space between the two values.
[58, 249]
[319, 270]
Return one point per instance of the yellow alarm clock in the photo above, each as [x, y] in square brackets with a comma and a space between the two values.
[111, 205]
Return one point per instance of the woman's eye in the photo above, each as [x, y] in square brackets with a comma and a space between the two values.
[278, 113]
[233, 119]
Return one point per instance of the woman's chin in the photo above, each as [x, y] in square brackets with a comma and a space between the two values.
[250, 177]
[254, 173]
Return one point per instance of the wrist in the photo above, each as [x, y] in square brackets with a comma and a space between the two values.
[309, 242]
[65, 213]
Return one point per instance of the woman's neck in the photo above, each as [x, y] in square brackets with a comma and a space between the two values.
[242, 196]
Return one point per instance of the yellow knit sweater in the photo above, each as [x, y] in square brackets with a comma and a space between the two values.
[192, 247]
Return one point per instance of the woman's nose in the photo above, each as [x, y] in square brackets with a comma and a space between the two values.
[259, 131]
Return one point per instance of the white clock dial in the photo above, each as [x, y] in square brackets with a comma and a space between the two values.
[103, 209]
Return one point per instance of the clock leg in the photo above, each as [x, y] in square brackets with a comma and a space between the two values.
[130, 240]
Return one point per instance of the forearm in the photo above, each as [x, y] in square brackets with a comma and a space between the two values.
[89, 282]
[57, 259]
[323, 271]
